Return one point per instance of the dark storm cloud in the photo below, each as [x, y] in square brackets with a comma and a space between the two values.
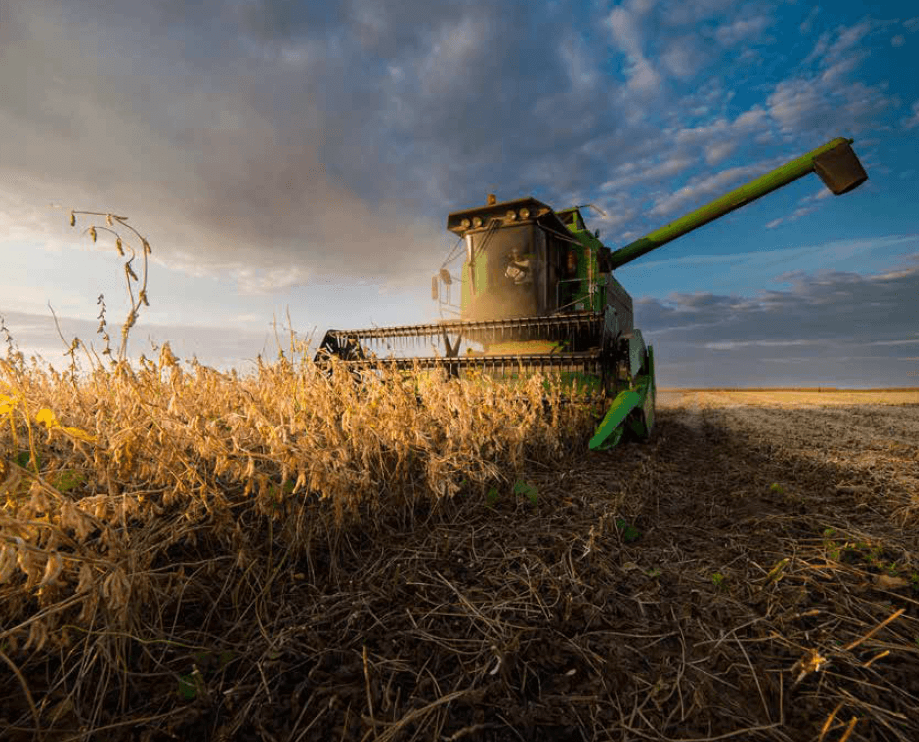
[274, 133]
[327, 141]
[850, 328]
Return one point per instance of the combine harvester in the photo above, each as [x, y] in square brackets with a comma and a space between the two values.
[538, 295]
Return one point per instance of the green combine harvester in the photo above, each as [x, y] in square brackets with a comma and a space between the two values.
[538, 294]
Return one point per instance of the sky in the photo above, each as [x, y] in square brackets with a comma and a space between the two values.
[301, 158]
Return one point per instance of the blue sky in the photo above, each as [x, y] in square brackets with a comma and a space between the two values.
[305, 155]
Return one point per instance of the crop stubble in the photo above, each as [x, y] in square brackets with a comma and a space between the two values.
[768, 595]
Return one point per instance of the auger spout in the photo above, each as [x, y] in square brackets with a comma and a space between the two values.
[835, 162]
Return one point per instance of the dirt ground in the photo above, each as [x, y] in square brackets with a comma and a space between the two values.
[752, 573]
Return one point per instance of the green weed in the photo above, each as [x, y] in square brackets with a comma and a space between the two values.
[520, 488]
[527, 490]
[629, 532]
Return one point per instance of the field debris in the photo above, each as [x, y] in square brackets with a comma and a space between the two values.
[285, 557]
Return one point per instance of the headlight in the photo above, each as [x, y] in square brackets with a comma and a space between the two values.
[524, 213]
[477, 222]
[465, 224]
[510, 215]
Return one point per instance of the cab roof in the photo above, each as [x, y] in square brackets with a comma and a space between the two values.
[542, 213]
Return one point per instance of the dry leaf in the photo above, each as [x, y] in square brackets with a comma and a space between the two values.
[886, 582]
[53, 568]
[812, 661]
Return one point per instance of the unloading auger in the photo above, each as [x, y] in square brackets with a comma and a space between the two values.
[538, 294]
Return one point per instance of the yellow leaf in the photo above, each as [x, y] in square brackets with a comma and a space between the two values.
[47, 417]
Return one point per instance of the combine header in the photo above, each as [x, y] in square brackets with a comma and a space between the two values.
[538, 294]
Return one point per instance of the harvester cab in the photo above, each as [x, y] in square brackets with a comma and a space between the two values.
[537, 293]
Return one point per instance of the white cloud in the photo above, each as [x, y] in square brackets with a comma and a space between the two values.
[829, 253]
[808, 22]
[754, 119]
[913, 121]
[683, 57]
[642, 77]
[912, 24]
[255, 282]
[743, 29]
[839, 69]
[817, 196]
[582, 71]
[798, 213]
[823, 43]
[731, 344]
[717, 151]
[848, 38]
[645, 171]
[794, 103]
[698, 135]
[898, 40]
[625, 31]
[709, 185]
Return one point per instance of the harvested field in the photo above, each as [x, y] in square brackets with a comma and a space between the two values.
[751, 574]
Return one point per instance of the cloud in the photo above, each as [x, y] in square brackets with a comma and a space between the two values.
[624, 23]
[898, 40]
[762, 262]
[731, 344]
[796, 214]
[796, 104]
[683, 13]
[717, 151]
[684, 57]
[742, 29]
[711, 185]
[582, 69]
[287, 144]
[711, 340]
[753, 120]
[817, 196]
[195, 160]
[37, 334]
[633, 173]
[253, 282]
[810, 103]
[913, 121]
[808, 22]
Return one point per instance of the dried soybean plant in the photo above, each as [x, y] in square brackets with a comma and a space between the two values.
[146, 512]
